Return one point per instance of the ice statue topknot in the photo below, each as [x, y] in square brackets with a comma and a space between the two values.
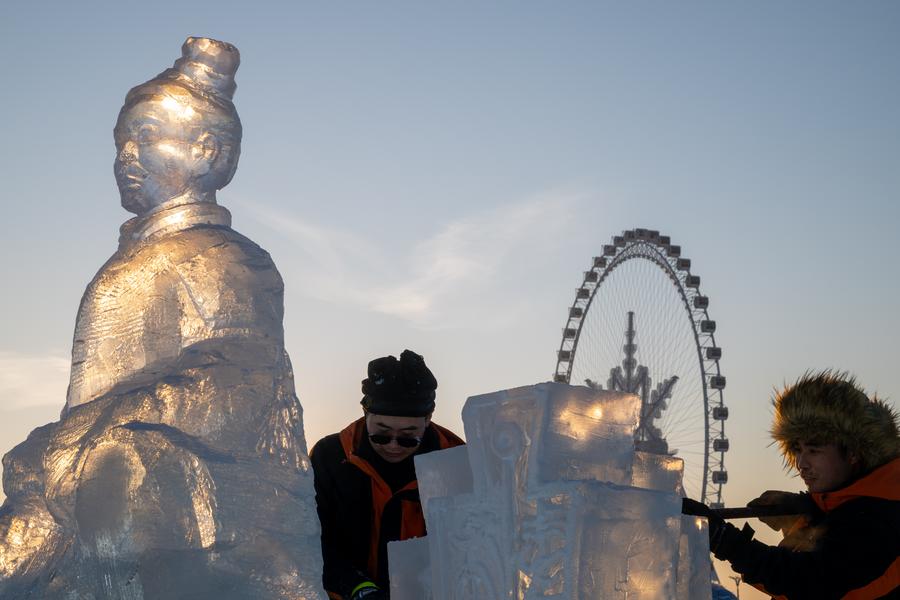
[206, 68]
[210, 65]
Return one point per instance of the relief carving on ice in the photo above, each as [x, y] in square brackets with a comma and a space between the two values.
[178, 467]
[559, 504]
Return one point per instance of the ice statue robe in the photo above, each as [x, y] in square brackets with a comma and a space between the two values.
[179, 277]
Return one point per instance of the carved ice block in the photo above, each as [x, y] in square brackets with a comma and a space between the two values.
[470, 544]
[664, 473]
[410, 569]
[559, 505]
[526, 436]
[629, 544]
[443, 473]
[569, 540]
[657, 472]
[694, 566]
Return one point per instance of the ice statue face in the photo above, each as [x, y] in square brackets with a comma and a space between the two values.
[404, 428]
[824, 467]
[168, 145]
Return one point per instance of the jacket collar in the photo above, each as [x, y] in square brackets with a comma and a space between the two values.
[883, 482]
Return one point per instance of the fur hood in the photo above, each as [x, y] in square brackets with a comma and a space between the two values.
[830, 407]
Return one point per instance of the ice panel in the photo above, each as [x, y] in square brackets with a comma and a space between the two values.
[499, 432]
[470, 543]
[658, 472]
[410, 565]
[525, 436]
[694, 566]
[443, 473]
[629, 543]
[589, 435]
[568, 540]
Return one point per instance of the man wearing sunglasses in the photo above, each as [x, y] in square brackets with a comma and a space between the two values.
[366, 488]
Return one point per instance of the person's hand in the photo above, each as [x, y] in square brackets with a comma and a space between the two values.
[371, 593]
[794, 505]
[724, 538]
[692, 507]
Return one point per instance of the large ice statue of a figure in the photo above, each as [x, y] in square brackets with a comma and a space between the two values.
[179, 467]
[181, 275]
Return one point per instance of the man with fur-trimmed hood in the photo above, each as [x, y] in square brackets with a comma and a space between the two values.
[845, 542]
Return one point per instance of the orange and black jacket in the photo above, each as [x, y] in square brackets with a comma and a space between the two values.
[854, 555]
[364, 502]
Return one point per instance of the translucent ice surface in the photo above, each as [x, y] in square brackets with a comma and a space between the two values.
[694, 563]
[559, 505]
[445, 473]
[571, 540]
[410, 569]
[531, 435]
[657, 472]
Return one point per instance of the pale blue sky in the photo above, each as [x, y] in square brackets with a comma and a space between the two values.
[438, 177]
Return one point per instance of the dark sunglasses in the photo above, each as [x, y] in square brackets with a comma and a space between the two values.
[402, 441]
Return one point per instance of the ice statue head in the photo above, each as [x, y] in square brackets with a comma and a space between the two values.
[178, 136]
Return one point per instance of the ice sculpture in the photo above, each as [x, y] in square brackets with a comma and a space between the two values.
[559, 506]
[179, 467]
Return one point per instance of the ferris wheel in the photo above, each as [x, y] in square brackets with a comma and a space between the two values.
[639, 324]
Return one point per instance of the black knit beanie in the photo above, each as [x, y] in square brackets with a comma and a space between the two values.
[399, 388]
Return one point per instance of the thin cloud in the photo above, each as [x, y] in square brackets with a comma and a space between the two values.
[471, 267]
[466, 272]
[32, 380]
[328, 260]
